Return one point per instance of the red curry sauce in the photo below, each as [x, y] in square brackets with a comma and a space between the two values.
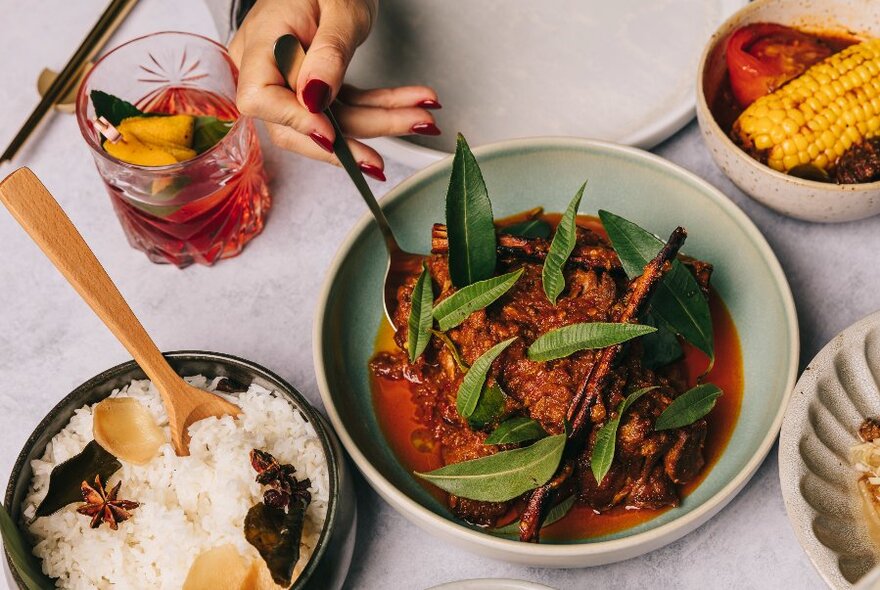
[414, 447]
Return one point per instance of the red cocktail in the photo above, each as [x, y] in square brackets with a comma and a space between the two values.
[197, 210]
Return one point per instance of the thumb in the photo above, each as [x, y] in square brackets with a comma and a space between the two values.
[340, 30]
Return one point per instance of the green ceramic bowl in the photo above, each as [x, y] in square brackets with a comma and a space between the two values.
[521, 174]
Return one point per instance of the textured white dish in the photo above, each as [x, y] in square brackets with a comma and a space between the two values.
[795, 197]
[617, 71]
[839, 388]
[490, 584]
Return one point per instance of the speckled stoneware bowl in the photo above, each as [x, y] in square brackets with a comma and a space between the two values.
[795, 197]
[839, 389]
[521, 174]
[330, 561]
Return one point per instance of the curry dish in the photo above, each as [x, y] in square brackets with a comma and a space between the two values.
[651, 469]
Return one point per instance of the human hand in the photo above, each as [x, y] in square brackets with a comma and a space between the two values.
[332, 30]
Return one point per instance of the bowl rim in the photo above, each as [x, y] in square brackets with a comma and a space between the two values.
[686, 522]
[292, 394]
[710, 124]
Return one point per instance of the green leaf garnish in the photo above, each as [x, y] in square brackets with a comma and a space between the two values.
[689, 407]
[114, 109]
[678, 302]
[453, 349]
[420, 319]
[561, 342]
[208, 131]
[469, 222]
[556, 514]
[65, 479]
[532, 228]
[502, 476]
[606, 438]
[472, 385]
[661, 347]
[489, 407]
[560, 249]
[516, 430]
[457, 307]
[26, 565]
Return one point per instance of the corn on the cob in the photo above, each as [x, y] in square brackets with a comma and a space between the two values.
[818, 116]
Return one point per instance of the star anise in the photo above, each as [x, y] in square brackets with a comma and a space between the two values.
[103, 505]
[280, 479]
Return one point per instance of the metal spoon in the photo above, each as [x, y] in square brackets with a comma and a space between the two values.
[35, 209]
[401, 264]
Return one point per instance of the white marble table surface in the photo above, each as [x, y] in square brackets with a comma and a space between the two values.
[260, 306]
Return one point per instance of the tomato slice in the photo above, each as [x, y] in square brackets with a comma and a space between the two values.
[761, 57]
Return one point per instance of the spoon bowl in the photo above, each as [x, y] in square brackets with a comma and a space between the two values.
[37, 211]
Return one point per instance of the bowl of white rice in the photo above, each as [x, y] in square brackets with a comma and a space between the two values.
[187, 506]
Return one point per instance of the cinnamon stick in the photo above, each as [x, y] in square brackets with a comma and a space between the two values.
[637, 298]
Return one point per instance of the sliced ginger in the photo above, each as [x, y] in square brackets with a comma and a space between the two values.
[127, 430]
[224, 568]
[154, 141]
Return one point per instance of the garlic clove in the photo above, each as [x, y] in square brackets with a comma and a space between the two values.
[127, 430]
[218, 567]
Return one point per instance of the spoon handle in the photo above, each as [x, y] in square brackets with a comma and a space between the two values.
[36, 210]
[285, 51]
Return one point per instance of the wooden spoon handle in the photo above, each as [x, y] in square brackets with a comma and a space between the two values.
[42, 218]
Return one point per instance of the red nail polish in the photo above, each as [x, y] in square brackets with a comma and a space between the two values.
[324, 143]
[372, 171]
[430, 104]
[316, 95]
[425, 129]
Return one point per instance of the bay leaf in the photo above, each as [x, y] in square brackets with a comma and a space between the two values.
[472, 385]
[689, 407]
[606, 438]
[469, 221]
[66, 477]
[661, 347]
[532, 228]
[556, 513]
[420, 318]
[516, 430]
[502, 476]
[564, 341]
[489, 407]
[19, 550]
[561, 247]
[457, 307]
[678, 302]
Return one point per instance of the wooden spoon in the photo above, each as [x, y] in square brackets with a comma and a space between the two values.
[43, 219]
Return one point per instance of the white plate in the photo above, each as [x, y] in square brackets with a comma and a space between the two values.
[620, 71]
[836, 392]
[490, 584]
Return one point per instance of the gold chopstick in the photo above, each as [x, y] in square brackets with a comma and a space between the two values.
[70, 75]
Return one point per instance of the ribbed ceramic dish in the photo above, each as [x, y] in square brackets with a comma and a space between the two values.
[839, 389]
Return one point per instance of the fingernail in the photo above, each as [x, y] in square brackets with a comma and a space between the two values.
[372, 171]
[322, 141]
[316, 95]
[430, 104]
[425, 129]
